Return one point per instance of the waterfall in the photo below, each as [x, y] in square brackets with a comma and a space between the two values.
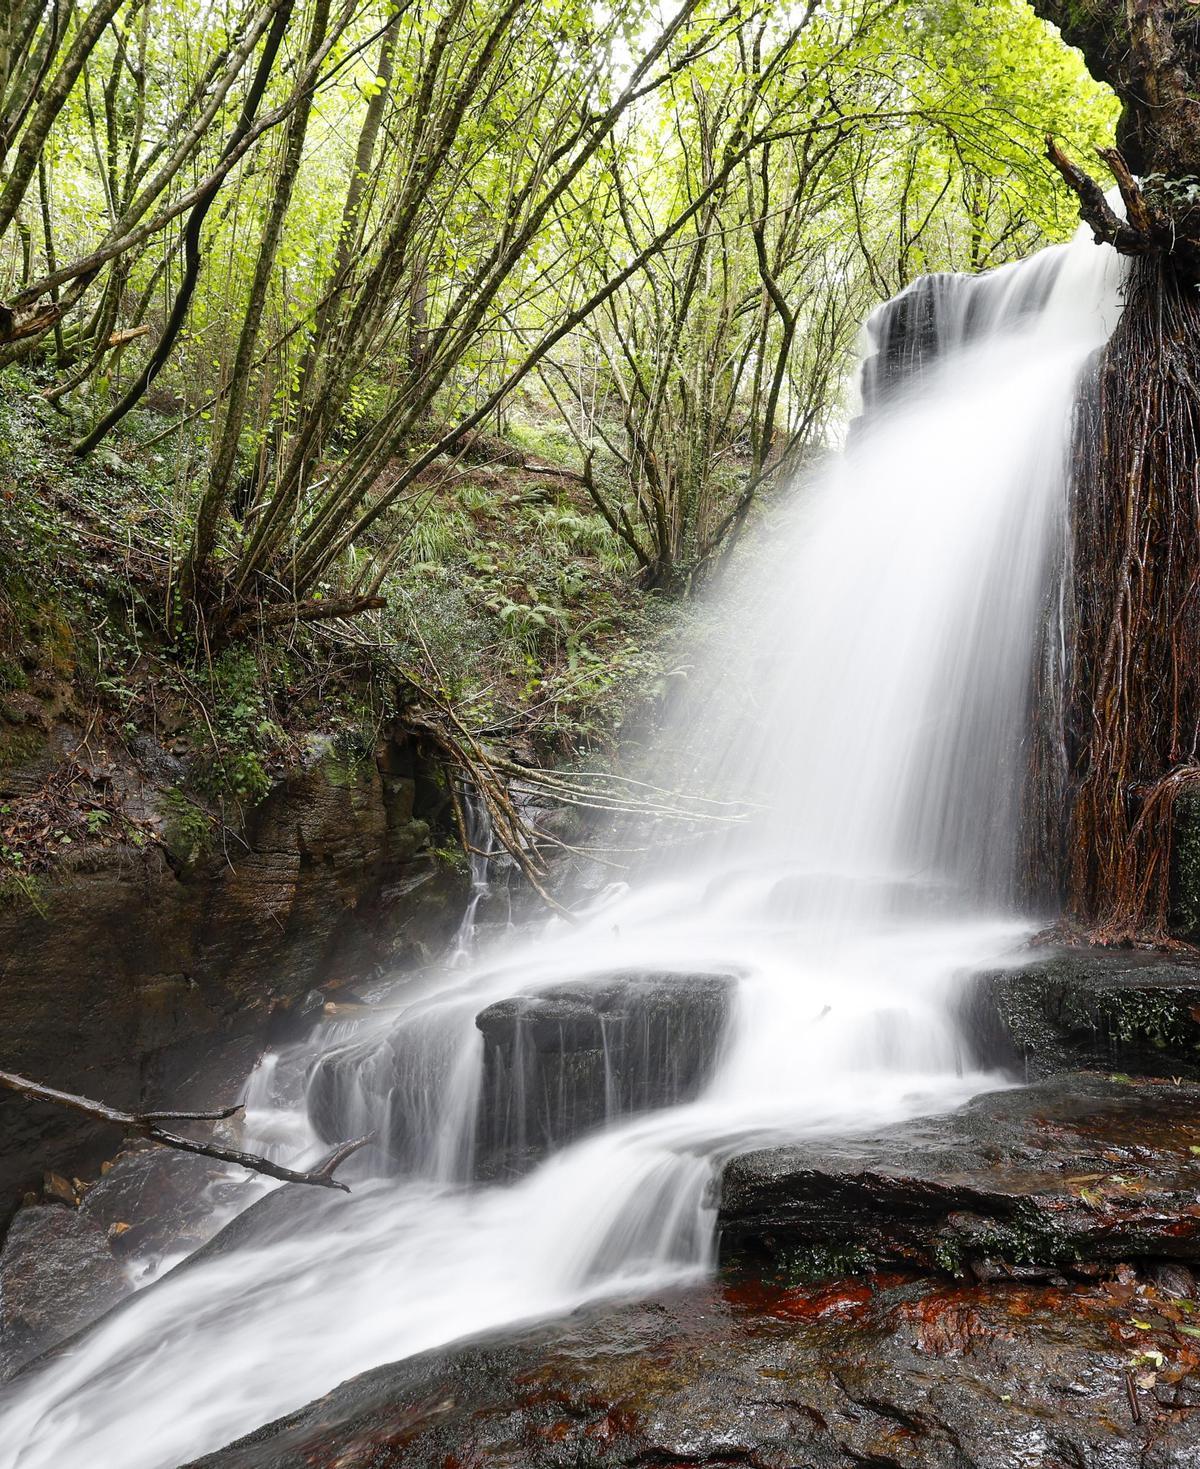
[490, 868]
[868, 699]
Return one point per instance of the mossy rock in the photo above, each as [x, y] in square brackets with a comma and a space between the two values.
[1108, 1009]
[1070, 1174]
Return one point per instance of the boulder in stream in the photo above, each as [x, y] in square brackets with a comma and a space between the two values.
[561, 1062]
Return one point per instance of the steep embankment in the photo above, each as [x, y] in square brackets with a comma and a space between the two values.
[197, 831]
[147, 973]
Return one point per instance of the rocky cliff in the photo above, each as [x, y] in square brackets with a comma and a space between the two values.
[143, 973]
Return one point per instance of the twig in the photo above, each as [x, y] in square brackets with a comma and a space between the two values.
[146, 1124]
[1135, 1411]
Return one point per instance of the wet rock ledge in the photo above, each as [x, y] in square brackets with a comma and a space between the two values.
[1067, 1177]
[891, 1372]
[1108, 1009]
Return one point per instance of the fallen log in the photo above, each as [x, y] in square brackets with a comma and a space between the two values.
[147, 1125]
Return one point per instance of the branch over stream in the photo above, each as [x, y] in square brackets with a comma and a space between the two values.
[146, 1124]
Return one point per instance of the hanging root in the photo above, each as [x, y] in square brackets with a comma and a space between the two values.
[497, 780]
[1133, 701]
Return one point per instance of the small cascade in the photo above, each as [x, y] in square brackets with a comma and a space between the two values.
[554, 1113]
[938, 315]
[493, 875]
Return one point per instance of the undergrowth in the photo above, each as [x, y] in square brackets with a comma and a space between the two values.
[508, 600]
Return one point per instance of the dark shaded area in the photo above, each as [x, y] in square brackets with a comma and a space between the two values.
[164, 985]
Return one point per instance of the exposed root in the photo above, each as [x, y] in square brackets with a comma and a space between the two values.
[1133, 698]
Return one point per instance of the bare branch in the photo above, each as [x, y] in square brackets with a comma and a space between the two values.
[1094, 209]
[146, 1124]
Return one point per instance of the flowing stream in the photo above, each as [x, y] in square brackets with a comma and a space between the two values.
[868, 696]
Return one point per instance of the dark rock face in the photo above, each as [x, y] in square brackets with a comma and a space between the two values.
[57, 1272]
[153, 1201]
[1028, 1183]
[1108, 1009]
[560, 1063]
[555, 1065]
[893, 1373]
[911, 333]
[152, 983]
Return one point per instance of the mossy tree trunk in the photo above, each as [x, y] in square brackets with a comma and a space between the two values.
[1133, 698]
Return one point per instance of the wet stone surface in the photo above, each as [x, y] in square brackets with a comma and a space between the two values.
[891, 1372]
[559, 1063]
[1107, 1009]
[57, 1272]
[556, 1064]
[1064, 1176]
[152, 1201]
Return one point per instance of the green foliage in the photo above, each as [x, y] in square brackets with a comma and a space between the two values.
[243, 735]
[892, 139]
[17, 882]
[426, 293]
[188, 829]
[1186, 842]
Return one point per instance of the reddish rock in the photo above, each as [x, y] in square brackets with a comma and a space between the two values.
[916, 1375]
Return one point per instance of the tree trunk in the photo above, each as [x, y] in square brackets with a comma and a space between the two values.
[1133, 691]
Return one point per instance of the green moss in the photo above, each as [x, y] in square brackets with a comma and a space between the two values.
[948, 1256]
[188, 830]
[452, 858]
[1159, 1020]
[1028, 1236]
[347, 765]
[804, 1264]
[18, 745]
[1185, 914]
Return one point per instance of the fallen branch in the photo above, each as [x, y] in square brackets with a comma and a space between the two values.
[128, 334]
[314, 611]
[557, 472]
[146, 1124]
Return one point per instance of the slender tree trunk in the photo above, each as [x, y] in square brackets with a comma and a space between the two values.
[192, 234]
[225, 455]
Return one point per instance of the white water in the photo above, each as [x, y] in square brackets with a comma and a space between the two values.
[879, 660]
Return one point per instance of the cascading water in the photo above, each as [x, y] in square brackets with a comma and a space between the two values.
[871, 705]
